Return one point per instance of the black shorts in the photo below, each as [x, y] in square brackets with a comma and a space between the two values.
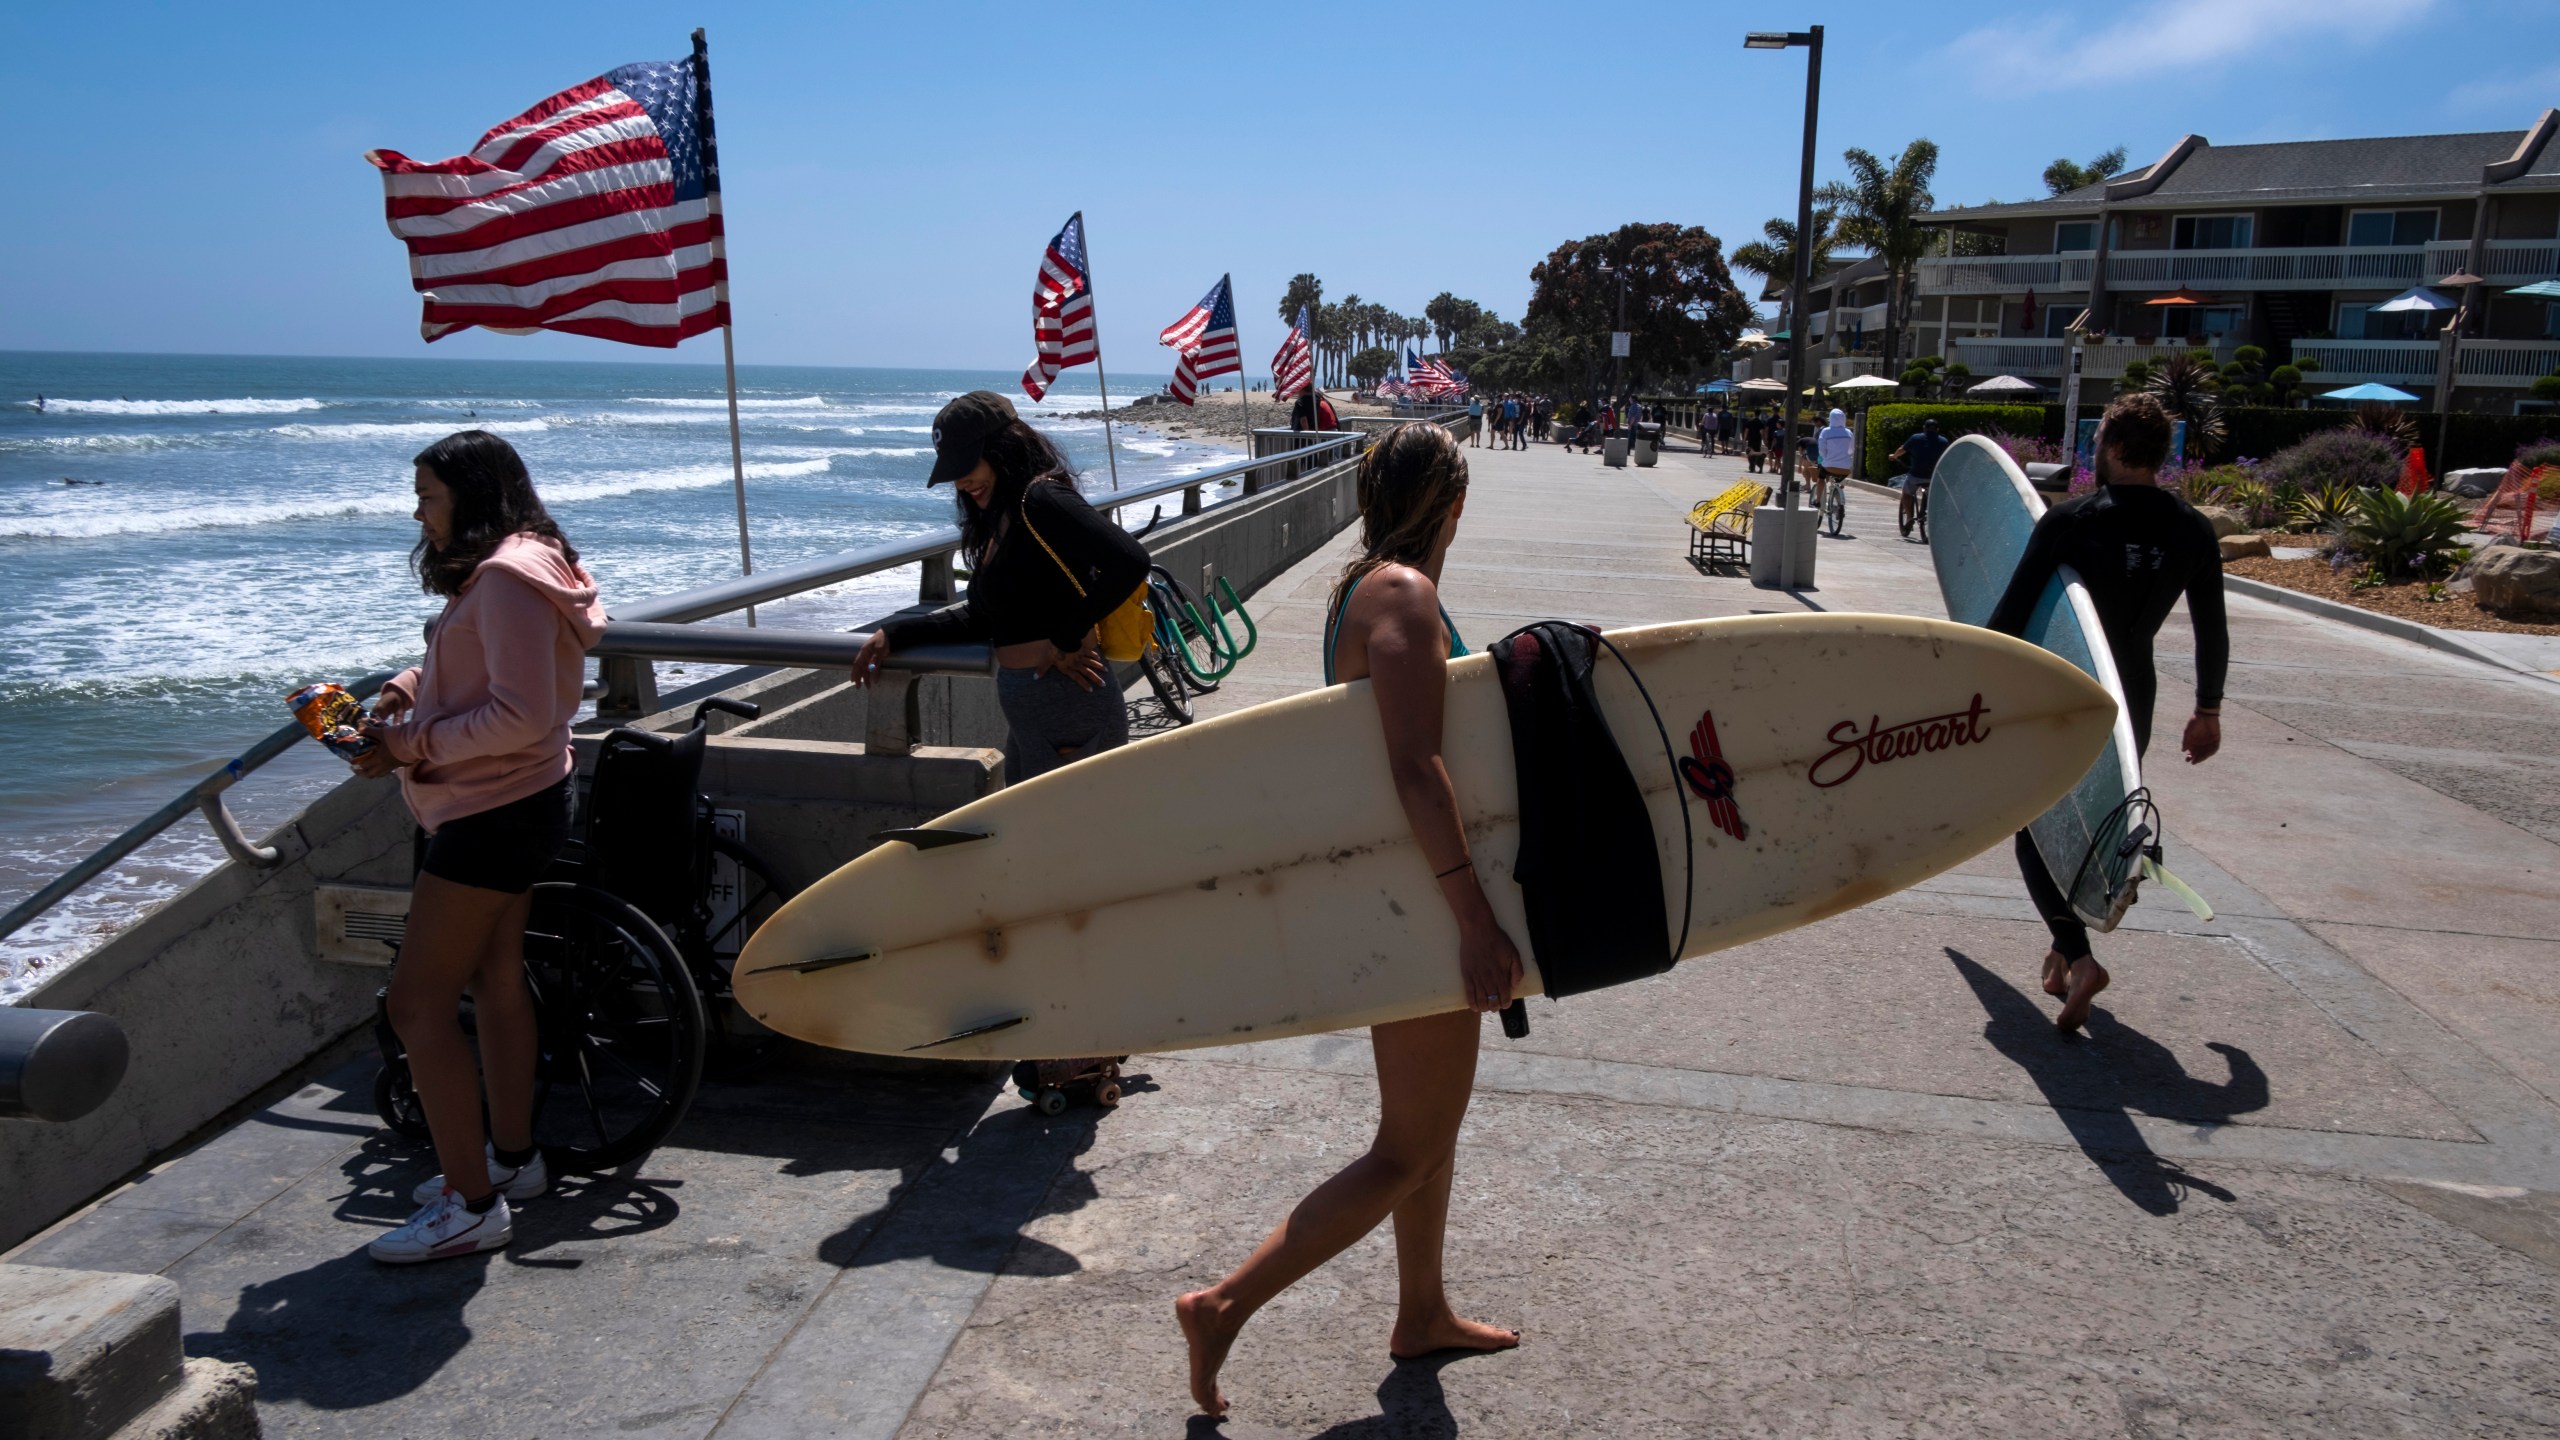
[505, 849]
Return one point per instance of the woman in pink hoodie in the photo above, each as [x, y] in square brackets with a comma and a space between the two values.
[479, 735]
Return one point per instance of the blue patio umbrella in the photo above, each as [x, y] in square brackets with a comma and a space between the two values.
[2539, 290]
[2368, 391]
[2416, 297]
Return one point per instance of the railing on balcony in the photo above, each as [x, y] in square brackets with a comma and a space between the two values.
[2323, 269]
[2350, 362]
[2506, 362]
[2003, 274]
[2509, 262]
[1836, 368]
[2026, 355]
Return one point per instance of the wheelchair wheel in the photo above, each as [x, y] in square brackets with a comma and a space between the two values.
[396, 1101]
[621, 1027]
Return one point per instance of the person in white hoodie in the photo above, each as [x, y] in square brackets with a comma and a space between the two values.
[1833, 448]
[479, 735]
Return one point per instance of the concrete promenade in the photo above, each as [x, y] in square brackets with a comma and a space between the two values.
[2302, 1177]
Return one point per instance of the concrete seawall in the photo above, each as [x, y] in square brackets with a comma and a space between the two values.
[222, 990]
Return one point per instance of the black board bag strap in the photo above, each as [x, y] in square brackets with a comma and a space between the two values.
[1588, 868]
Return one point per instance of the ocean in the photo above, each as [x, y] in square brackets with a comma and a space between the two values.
[184, 538]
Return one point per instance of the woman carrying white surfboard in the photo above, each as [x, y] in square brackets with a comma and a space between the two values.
[2138, 548]
[1387, 626]
[1045, 568]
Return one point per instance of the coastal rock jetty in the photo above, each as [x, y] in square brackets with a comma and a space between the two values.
[1220, 416]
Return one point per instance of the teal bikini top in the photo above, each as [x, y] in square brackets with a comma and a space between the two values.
[1333, 628]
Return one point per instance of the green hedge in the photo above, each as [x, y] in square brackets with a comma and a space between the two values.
[1889, 425]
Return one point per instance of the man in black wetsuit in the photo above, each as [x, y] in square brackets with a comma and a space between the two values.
[2137, 548]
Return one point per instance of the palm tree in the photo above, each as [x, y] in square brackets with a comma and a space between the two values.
[2062, 176]
[1880, 207]
[1774, 259]
[2190, 389]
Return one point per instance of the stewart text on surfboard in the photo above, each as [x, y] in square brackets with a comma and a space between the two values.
[1882, 742]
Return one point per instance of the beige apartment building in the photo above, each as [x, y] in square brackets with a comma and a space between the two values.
[2284, 246]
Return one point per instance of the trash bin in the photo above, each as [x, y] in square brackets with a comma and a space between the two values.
[1613, 451]
[1645, 452]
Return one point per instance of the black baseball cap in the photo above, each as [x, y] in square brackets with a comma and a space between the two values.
[961, 432]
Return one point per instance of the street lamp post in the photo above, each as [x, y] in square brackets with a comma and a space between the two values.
[1811, 40]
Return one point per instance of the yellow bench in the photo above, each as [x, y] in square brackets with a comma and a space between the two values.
[1720, 529]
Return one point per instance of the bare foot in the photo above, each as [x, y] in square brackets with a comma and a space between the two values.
[2088, 977]
[2057, 974]
[1207, 1327]
[1448, 1332]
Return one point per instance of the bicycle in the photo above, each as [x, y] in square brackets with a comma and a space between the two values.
[1835, 504]
[1918, 518]
[618, 987]
[1194, 651]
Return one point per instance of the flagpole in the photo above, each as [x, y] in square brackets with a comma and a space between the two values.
[1244, 377]
[720, 297]
[1110, 450]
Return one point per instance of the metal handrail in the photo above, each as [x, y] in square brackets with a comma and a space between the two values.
[657, 630]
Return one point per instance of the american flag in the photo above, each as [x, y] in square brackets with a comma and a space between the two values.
[1295, 365]
[1433, 377]
[1205, 338]
[1061, 311]
[596, 212]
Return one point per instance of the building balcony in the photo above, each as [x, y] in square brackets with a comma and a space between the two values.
[2003, 274]
[2026, 357]
[2353, 362]
[1836, 368]
[2506, 362]
[2394, 267]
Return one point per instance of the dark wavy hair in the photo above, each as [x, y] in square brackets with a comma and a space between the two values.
[1408, 482]
[492, 499]
[1021, 458]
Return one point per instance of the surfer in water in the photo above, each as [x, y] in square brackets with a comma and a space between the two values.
[1387, 627]
[2138, 548]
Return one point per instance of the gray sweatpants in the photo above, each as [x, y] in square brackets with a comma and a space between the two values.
[1048, 712]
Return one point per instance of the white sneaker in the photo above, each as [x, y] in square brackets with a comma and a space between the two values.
[522, 1183]
[444, 1228]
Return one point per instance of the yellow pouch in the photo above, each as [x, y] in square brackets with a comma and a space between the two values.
[1129, 632]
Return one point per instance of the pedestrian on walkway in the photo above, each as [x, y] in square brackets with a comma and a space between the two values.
[479, 735]
[1725, 429]
[1755, 442]
[1388, 627]
[1475, 412]
[2138, 548]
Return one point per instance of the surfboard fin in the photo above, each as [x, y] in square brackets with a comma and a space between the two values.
[971, 1033]
[927, 838]
[2155, 871]
[823, 962]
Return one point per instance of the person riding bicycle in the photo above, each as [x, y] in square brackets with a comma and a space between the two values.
[1834, 445]
[1920, 452]
[1045, 568]
[479, 735]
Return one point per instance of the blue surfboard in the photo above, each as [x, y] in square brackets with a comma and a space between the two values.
[1981, 510]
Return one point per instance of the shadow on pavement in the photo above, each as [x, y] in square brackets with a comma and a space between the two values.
[1411, 1404]
[349, 1332]
[964, 1208]
[2095, 1085]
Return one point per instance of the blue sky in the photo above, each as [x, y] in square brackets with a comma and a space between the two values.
[188, 177]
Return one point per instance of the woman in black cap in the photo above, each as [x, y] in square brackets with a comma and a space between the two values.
[1045, 568]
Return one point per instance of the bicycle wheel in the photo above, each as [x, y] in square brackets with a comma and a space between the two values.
[621, 1029]
[1835, 508]
[1920, 515]
[1165, 678]
[1198, 646]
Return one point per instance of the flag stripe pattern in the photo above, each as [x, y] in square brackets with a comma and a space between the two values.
[593, 213]
[1294, 365]
[1433, 377]
[1061, 311]
[1205, 339]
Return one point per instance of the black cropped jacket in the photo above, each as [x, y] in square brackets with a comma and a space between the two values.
[1018, 593]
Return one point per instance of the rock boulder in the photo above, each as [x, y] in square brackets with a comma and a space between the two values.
[2245, 547]
[2473, 484]
[2226, 521]
[2510, 577]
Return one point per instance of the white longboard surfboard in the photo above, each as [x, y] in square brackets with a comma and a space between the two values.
[1253, 876]
[1982, 508]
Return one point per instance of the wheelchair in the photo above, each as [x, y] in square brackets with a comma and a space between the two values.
[628, 953]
